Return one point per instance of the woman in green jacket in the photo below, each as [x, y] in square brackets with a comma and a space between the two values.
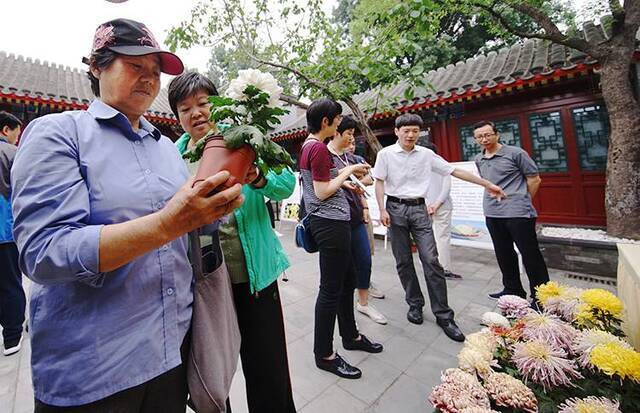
[253, 255]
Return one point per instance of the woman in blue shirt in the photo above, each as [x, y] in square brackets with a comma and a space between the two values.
[102, 203]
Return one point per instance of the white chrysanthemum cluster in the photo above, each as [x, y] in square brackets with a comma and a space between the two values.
[261, 80]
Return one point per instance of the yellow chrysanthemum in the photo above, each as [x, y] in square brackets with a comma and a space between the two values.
[603, 300]
[549, 290]
[585, 316]
[615, 359]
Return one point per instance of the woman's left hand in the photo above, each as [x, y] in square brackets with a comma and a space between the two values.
[352, 187]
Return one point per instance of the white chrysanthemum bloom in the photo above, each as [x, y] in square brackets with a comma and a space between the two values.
[494, 319]
[483, 340]
[261, 80]
[476, 361]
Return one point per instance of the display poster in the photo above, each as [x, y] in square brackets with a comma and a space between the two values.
[468, 226]
[289, 207]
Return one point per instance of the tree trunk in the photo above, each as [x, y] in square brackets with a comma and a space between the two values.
[361, 118]
[622, 199]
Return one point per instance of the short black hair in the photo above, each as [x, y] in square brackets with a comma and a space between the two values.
[409, 119]
[347, 123]
[100, 59]
[7, 119]
[320, 109]
[188, 84]
[482, 123]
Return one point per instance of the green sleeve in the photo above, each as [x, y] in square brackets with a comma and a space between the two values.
[182, 143]
[279, 186]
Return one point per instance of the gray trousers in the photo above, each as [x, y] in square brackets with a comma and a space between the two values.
[413, 220]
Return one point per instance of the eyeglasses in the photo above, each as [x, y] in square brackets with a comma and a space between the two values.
[484, 135]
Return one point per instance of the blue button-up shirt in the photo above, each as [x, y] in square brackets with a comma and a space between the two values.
[94, 334]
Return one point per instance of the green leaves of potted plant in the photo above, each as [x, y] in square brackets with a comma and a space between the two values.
[250, 108]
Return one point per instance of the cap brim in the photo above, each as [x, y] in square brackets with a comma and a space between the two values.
[169, 63]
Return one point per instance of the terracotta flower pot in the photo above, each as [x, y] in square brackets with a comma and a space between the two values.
[217, 157]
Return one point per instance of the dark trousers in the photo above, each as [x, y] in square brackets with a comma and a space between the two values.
[165, 393]
[337, 284]
[264, 349]
[521, 231]
[12, 298]
[413, 220]
[361, 252]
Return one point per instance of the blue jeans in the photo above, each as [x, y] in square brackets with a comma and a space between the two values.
[361, 253]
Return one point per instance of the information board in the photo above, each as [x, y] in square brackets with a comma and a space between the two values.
[468, 226]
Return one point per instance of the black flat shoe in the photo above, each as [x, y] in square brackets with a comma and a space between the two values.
[339, 367]
[451, 330]
[452, 276]
[363, 344]
[496, 296]
[415, 315]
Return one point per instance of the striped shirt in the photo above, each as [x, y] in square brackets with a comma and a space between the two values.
[316, 165]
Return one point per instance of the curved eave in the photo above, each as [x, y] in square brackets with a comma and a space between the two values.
[290, 135]
[500, 88]
[71, 105]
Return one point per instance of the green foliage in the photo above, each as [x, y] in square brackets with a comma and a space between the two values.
[248, 121]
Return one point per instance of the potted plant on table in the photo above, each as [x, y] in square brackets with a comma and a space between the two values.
[250, 109]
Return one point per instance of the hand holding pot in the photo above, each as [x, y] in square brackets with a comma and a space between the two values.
[192, 207]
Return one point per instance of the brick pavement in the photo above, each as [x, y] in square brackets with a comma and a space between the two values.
[397, 380]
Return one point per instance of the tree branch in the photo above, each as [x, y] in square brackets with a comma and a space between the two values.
[293, 101]
[315, 83]
[550, 30]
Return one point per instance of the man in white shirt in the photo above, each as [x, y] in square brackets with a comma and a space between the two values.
[440, 208]
[403, 172]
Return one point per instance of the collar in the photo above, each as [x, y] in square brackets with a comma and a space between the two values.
[103, 112]
[499, 152]
[398, 149]
[4, 139]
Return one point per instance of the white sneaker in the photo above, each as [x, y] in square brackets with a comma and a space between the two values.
[374, 292]
[372, 313]
[7, 351]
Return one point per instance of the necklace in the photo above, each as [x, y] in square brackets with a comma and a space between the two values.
[333, 150]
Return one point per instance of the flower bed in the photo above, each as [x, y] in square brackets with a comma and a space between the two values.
[570, 358]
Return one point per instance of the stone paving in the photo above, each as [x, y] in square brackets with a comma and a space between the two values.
[397, 380]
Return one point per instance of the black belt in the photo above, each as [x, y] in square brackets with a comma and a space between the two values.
[410, 201]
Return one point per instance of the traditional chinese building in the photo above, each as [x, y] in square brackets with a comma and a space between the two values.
[543, 97]
[30, 88]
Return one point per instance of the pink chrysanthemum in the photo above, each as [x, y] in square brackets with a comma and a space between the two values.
[589, 404]
[459, 390]
[510, 392]
[513, 306]
[549, 328]
[544, 364]
[566, 305]
[587, 340]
